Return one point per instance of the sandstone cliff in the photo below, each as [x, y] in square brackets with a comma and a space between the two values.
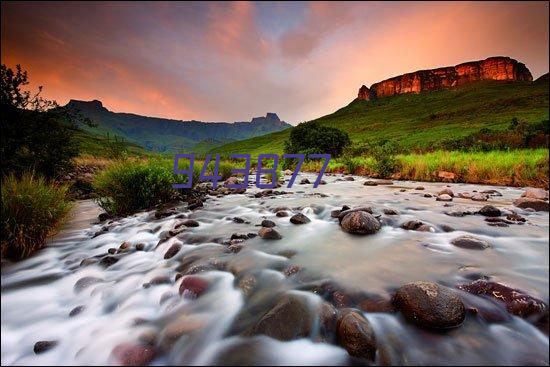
[493, 68]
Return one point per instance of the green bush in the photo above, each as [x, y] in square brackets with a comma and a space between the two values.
[310, 138]
[385, 162]
[128, 186]
[32, 209]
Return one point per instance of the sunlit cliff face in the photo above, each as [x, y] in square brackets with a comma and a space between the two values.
[231, 61]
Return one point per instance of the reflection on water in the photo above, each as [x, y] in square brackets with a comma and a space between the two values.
[137, 300]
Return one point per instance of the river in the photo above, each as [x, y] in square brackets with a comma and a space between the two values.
[120, 306]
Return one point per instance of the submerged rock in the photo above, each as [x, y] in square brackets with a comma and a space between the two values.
[295, 316]
[355, 334]
[470, 242]
[268, 223]
[444, 197]
[515, 301]
[129, 354]
[529, 203]
[173, 250]
[490, 211]
[193, 286]
[85, 282]
[446, 191]
[412, 225]
[44, 346]
[269, 234]
[430, 305]
[299, 219]
[360, 222]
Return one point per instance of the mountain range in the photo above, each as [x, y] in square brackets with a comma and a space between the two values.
[167, 135]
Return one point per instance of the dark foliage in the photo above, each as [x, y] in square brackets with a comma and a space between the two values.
[310, 137]
[36, 133]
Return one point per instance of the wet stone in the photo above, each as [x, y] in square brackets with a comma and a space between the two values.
[44, 346]
[412, 225]
[490, 211]
[129, 354]
[299, 219]
[530, 203]
[268, 223]
[360, 222]
[430, 305]
[172, 251]
[85, 282]
[471, 243]
[356, 335]
[269, 234]
[76, 311]
[107, 261]
[444, 197]
[191, 223]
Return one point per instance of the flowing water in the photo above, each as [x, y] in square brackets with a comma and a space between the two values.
[39, 293]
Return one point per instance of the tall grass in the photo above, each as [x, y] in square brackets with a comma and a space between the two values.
[128, 186]
[525, 167]
[32, 209]
[515, 168]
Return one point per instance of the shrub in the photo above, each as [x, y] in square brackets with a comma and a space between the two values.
[310, 137]
[384, 156]
[36, 133]
[32, 209]
[128, 186]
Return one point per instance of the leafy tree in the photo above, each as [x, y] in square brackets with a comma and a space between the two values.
[384, 156]
[310, 137]
[37, 134]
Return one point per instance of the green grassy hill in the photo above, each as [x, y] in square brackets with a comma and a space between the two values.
[422, 121]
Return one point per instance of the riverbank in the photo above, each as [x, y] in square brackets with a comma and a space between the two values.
[517, 168]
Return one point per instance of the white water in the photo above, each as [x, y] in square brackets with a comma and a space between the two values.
[38, 293]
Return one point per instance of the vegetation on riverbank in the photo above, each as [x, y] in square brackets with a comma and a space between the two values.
[525, 167]
[32, 209]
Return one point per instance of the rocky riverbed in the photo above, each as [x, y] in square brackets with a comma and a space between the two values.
[356, 271]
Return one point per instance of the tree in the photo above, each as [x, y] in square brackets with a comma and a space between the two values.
[310, 137]
[37, 134]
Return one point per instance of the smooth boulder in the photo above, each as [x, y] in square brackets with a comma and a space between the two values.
[470, 242]
[430, 305]
[299, 219]
[355, 334]
[360, 222]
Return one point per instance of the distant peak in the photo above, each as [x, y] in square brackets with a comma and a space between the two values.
[272, 116]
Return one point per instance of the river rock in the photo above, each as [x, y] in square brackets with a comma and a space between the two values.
[281, 213]
[355, 334]
[360, 222]
[370, 183]
[419, 188]
[231, 181]
[412, 225]
[268, 223]
[299, 218]
[343, 213]
[85, 282]
[294, 317]
[140, 246]
[444, 197]
[389, 211]
[529, 203]
[304, 181]
[44, 346]
[349, 178]
[533, 193]
[446, 191]
[173, 250]
[516, 301]
[269, 234]
[515, 217]
[464, 195]
[111, 251]
[129, 354]
[479, 197]
[430, 305]
[427, 195]
[193, 286]
[191, 223]
[77, 310]
[490, 211]
[471, 243]
[107, 261]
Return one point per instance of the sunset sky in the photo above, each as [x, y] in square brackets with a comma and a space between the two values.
[233, 61]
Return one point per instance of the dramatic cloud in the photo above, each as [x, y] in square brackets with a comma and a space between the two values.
[231, 61]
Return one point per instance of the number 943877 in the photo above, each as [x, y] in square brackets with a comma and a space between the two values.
[215, 177]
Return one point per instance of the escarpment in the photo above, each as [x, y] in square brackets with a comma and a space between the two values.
[493, 68]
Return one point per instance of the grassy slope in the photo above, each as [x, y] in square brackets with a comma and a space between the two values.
[422, 120]
[95, 145]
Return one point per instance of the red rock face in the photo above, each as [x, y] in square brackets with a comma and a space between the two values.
[493, 68]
